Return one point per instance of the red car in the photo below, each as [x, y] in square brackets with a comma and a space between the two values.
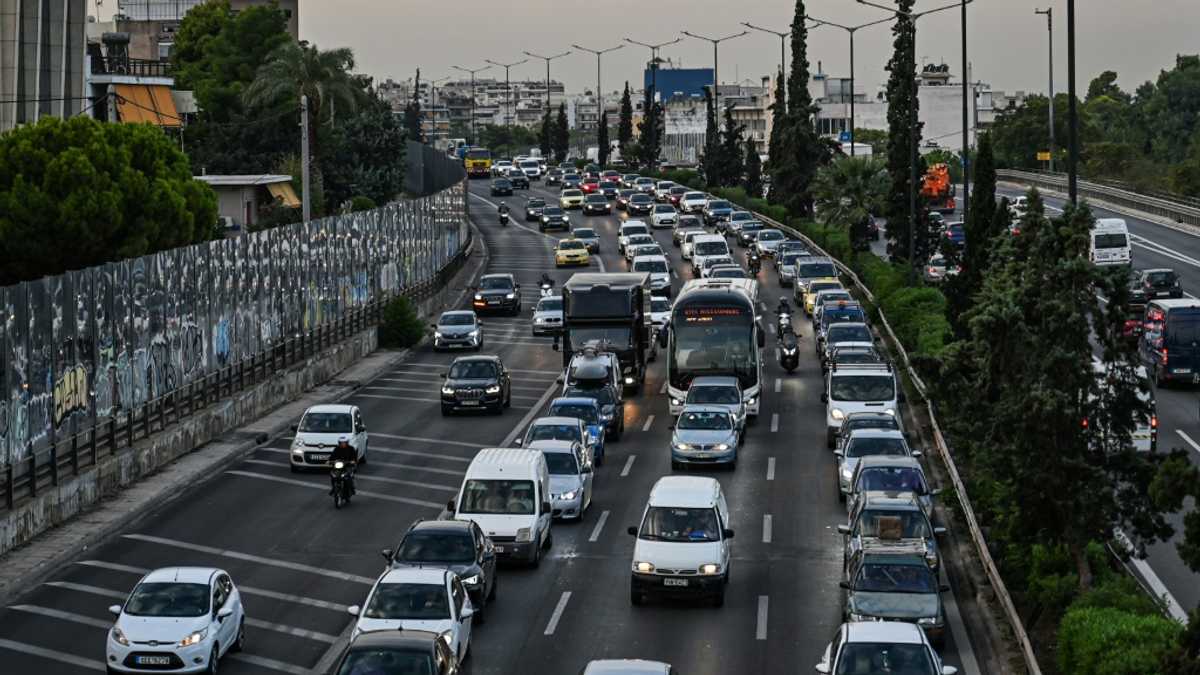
[676, 194]
[590, 185]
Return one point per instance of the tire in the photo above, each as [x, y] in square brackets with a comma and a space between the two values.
[841, 495]
[636, 599]
[491, 596]
[676, 466]
[719, 598]
[508, 399]
[445, 411]
[537, 557]
[295, 469]
[239, 643]
[212, 661]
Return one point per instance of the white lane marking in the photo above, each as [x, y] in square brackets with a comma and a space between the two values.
[63, 616]
[444, 366]
[378, 479]
[774, 422]
[778, 384]
[411, 398]
[628, 464]
[1189, 440]
[760, 632]
[1151, 245]
[966, 653]
[425, 381]
[773, 329]
[84, 588]
[524, 422]
[520, 397]
[767, 528]
[116, 567]
[599, 526]
[663, 388]
[390, 465]
[649, 421]
[325, 488]
[770, 468]
[558, 612]
[248, 557]
[777, 354]
[426, 440]
[53, 655]
[272, 664]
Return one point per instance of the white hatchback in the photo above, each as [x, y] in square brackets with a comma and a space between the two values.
[177, 619]
[318, 432]
[418, 598]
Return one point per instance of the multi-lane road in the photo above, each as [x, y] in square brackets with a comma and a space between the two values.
[300, 563]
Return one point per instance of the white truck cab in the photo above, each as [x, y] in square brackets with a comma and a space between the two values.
[506, 491]
[859, 387]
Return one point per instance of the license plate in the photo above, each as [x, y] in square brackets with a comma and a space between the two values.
[499, 549]
[469, 403]
[320, 458]
[1183, 371]
[1162, 293]
[154, 660]
[493, 302]
[675, 582]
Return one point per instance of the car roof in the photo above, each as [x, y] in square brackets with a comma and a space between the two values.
[704, 407]
[715, 381]
[685, 491]
[497, 275]
[889, 461]
[645, 258]
[456, 526]
[634, 222]
[870, 414]
[330, 408]
[490, 358]
[894, 632]
[377, 639]
[877, 433]
[183, 575]
[414, 575]
[552, 419]
[554, 445]
[459, 312]
[575, 400]
[627, 667]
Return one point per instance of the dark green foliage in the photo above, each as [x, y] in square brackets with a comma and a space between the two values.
[752, 182]
[1108, 641]
[710, 162]
[412, 112]
[625, 123]
[365, 155]
[1177, 480]
[507, 141]
[904, 131]
[602, 140]
[778, 115]
[876, 138]
[400, 325]
[79, 193]
[1184, 657]
[361, 203]
[546, 135]
[986, 222]
[651, 130]
[732, 150]
[562, 134]
[848, 191]
[799, 150]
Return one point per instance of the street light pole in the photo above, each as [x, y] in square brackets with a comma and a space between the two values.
[1072, 111]
[1049, 12]
[966, 120]
[653, 61]
[472, 72]
[850, 30]
[507, 89]
[433, 104]
[782, 43]
[599, 95]
[547, 59]
[716, 64]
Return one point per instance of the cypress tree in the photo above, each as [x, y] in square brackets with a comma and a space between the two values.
[800, 147]
[562, 134]
[651, 127]
[711, 163]
[752, 183]
[625, 123]
[412, 112]
[986, 221]
[732, 166]
[902, 109]
[546, 135]
[778, 117]
[602, 139]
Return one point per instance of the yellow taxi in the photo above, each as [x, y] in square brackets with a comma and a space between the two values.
[571, 252]
[816, 286]
[571, 199]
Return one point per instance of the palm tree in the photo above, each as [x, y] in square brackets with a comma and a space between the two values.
[848, 191]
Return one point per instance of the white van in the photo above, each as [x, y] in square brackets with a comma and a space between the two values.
[683, 541]
[859, 387]
[704, 246]
[507, 493]
[1110, 242]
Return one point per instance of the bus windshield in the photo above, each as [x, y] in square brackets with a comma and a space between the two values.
[712, 340]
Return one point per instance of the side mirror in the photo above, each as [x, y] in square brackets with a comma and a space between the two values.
[843, 529]
[467, 612]
[824, 397]
[450, 506]
[844, 584]
[839, 453]
[939, 531]
[387, 554]
[554, 346]
[822, 668]
[353, 610]
[546, 508]
[444, 375]
[727, 533]
[224, 612]
[115, 609]
[632, 530]
[762, 340]
[935, 492]
[944, 588]
[518, 441]
[917, 453]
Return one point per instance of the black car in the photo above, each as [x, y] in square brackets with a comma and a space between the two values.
[571, 181]
[518, 179]
[640, 204]
[457, 545]
[623, 196]
[476, 383]
[397, 651]
[895, 587]
[596, 203]
[609, 189]
[497, 293]
[612, 405]
[502, 186]
[717, 211]
[533, 208]
[553, 217]
[554, 177]
[1155, 283]
[748, 233]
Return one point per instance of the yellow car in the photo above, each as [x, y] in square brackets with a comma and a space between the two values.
[571, 199]
[816, 286]
[571, 252]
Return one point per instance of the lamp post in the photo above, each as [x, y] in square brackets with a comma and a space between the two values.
[850, 30]
[547, 59]
[507, 89]
[1049, 12]
[716, 64]
[1072, 109]
[472, 72]
[433, 104]
[599, 95]
[782, 35]
[653, 60]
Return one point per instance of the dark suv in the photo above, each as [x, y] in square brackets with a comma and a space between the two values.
[1156, 283]
[457, 545]
[476, 383]
[612, 405]
[497, 293]
[402, 651]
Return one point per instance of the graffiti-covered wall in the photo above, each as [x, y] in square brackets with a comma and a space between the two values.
[78, 348]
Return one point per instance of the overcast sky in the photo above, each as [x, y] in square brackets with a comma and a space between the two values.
[1007, 41]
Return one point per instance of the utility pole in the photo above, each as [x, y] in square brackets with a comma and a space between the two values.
[547, 59]
[433, 106]
[966, 120]
[653, 62]
[599, 94]
[305, 159]
[1049, 12]
[507, 90]
[850, 30]
[716, 63]
[472, 72]
[1072, 110]
[782, 35]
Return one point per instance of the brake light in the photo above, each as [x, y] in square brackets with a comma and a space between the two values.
[1154, 422]
[1164, 355]
[1085, 423]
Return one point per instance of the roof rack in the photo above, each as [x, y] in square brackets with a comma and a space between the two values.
[883, 364]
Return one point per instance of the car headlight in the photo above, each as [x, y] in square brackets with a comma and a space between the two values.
[472, 580]
[474, 333]
[721, 447]
[524, 535]
[931, 558]
[752, 402]
[891, 411]
[119, 637]
[448, 637]
[710, 568]
[676, 401]
[297, 443]
[837, 414]
[928, 621]
[447, 391]
[194, 638]
[438, 336]
[682, 446]
[494, 389]
[847, 473]
[643, 567]
[568, 496]
[478, 296]
[510, 296]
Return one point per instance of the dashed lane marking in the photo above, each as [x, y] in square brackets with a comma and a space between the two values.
[53, 655]
[663, 388]
[325, 488]
[770, 468]
[767, 528]
[519, 397]
[379, 479]
[774, 422]
[778, 384]
[599, 526]
[257, 559]
[760, 631]
[558, 612]
[628, 465]
[1189, 440]
[423, 439]
[390, 465]
[413, 398]
[443, 366]
[649, 421]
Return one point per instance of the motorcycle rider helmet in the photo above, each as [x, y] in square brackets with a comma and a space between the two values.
[343, 439]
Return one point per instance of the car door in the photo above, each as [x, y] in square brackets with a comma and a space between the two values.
[223, 627]
[583, 457]
[360, 434]
[723, 523]
[460, 601]
[485, 556]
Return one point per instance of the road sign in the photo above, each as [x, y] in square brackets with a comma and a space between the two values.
[1044, 156]
[844, 137]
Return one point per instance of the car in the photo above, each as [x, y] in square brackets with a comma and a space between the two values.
[937, 269]
[826, 296]
[626, 667]
[571, 252]
[850, 355]
[571, 181]
[660, 312]
[734, 222]
[571, 477]
[548, 316]
[318, 432]
[554, 218]
[659, 270]
[501, 187]
[1155, 283]
[675, 195]
[622, 199]
[610, 175]
[767, 241]
[714, 390]
[815, 286]
[589, 237]
[458, 328]
[682, 543]
[636, 240]
[507, 491]
[856, 387]
[554, 177]
[590, 184]
[892, 642]
[609, 189]
[693, 202]
[717, 211]
[679, 233]
[891, 473]
[628, 180]
[409, 651]
[844, 334]
[838, 308]
[868, 443]
[937, 220]
[728, 272]
[864, 420]
[955, 233]
[705, 245]
[476, 383]
[588, 411]
[895, 587]
[891, 521]
[785, 265]
[498, 293]
[687, 242]
[608, 396]
[662, 189]
[704, 435]
[501, 167]
[459, 546]
[640, 204]
[533, 208]
[809, 270]
[628, 229]
[644, 185]
[747, 234]
[518, 179]
[571, 199]
[713, 261]
[596, 203]
[420, 598]
[644, 251]
[181, 619]
[554, 429]
[664, 215]
[532, 169]
[790, 246]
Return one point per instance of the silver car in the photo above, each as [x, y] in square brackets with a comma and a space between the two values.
[713, 390]
[704, 435]
[548, 315]
[571, 475]
[785, 264]
[891, 474]
[458, 329]
[589, 237]
[868, 443]
[767, 241]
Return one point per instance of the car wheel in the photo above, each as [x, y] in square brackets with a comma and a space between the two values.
[295, 469]
[491, 596]
[537, 557]
[212, 661]
[239, 643]
[676, 466]
[636, 599]
[445, 411]
[719, 598]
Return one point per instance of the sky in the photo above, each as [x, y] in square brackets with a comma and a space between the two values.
[1007, 41]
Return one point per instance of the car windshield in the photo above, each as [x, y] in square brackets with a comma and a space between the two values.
[791, 258]
[437, 547]
[641, 198]
[626, 193]
[603, 395]
[848, 333]
[552, 211]
[664, 208]
[663, 523]
[872, 422]
[168, 599]
[561, 463]
[883, 659]
[608, 185]
[571, 244]
[888, 523]
[473, 370]
[530, 164]
[770, 235]
[810, 270]
[420, 602]
[871, 447]
[832, 315]
[550, 305]
[639, 239]
[719, 204]
[535, 203]
[497, 496]
[1161, 277]
[1109, 241]
[373, 661]
[706, 421]
[501, 182]
[572, 193]
[865, 388]
[553, 432]
[818, 286]
[650, 266]
[630, 230]
[617, 336]
[586, 413]
[713, 261]
[660, 305]
[456, 320]
[741, 215]
[752, 226]
[714, 394]
[596, 199]
[496, 283]
[691, 196]
[892, 479]
[325, 423]
[585, 233]
[835, 296]
[710, 248]
[729, 274]
[882, 577]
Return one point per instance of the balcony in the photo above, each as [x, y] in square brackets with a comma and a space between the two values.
[124, 66]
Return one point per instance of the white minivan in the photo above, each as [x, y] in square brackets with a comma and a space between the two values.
[507, 493]
[707, 245]
[1110, 242]
[859, 387]
[683, 541]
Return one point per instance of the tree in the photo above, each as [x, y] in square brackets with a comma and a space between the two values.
[876, 138]
[847, 191]
[77, 193]
[562, 134]
[412, 112]
[778, 115]
[903, 133]
[625, 123]
[651, 130]
[365, 156]
[711, 163]
[506, 141]
[1185, 658]
[1105, 84]
[800, 149]
[732, 151]
[602, 140]
[752, 183]
[546, 135]
[983, 225]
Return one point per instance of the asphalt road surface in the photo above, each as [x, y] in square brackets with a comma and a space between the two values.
[299, 562]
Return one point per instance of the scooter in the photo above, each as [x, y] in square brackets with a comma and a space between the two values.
[547, 290]
[754, 262]
[789, 352]
[784, 324]
[341, 484]
[504, 219]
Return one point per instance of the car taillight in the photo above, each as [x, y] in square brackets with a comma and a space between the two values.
[1164, 355]
[1154, 423]
[1085, 423]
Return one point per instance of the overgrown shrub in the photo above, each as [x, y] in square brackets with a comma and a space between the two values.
[401, 326]
[1109, 641]
[918, 316]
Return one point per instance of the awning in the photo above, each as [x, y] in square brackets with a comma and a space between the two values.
[147, 103]
[284, 192]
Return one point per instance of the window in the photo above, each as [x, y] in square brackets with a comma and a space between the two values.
[408, 601]
[680, 525]
[704, 421]
[498, 496]
[421, 547]
[863, 388]
[326, 423]
[169, 600]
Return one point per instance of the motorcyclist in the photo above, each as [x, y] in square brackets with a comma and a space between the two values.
[784, 307]
[344, 452]
[754, 261]
[503, 208]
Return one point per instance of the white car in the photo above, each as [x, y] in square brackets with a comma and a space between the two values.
[714, 261]
[458, 328]
[894, 642]
[636, 240]
[548, 315]
[660, 311]
[319, 430]
[418, 598]
[628, 229]
[500, 167]
[661, 189]
[532, 169]
[664, 215]
[177, 619]
[687, 242]
[659, 270]
[767, 241]
[693, 202]
[645, 185]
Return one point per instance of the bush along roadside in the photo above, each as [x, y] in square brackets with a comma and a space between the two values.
[401, 326]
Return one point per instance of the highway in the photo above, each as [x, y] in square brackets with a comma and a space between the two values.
[299, 562]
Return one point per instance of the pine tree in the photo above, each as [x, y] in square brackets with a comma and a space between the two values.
[651, 129]
[602, 139]
[546, 135]
[710, 162]
[778, 122]
[800, 148]
[625, 123]
[412, 112]
[985, 223]
[752, 183]
[732, 166]
[902, 110]
[562, 134]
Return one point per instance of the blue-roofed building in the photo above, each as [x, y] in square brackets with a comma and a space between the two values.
[679, 81]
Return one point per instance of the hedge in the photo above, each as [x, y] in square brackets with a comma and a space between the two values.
[1109, 641]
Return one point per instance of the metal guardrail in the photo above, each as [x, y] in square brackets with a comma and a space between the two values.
[1159, 206]
[981, 548]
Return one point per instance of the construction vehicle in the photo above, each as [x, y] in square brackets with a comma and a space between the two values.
[938, 190]
[478, 162]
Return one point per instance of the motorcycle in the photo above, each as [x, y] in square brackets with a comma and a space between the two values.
[789, 352]
[547, 290]
[784, 324]
[754, 261]
[341, 484]
[504, 219]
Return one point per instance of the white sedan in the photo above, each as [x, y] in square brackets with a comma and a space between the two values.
[420, 598]
[664, 215]
[180, 619]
